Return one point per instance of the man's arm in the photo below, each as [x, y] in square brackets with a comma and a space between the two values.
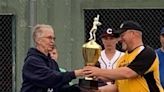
[39, 74]
[111, 74]
[139, 66]
[119, 73]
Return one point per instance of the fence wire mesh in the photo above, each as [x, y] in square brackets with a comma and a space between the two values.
[150, 19]
[6, 53]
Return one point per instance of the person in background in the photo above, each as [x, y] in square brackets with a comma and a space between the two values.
[160, 53]
[109, 56]
[54, 53]
[40, 73]
[138, 69]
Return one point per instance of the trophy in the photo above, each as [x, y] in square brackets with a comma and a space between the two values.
[91, 52]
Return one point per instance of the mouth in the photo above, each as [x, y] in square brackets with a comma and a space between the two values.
[52, 46]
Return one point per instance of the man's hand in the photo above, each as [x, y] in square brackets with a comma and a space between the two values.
[90, 71]
[79, 72]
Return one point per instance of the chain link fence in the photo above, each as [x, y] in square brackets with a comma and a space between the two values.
[150, 19]
[6, 58]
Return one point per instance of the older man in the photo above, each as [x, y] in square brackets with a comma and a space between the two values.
[138, 70]
[40, 73]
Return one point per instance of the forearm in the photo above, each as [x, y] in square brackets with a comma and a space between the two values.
[43, 76]
[51, 79]
[105, 79]
[119, 73]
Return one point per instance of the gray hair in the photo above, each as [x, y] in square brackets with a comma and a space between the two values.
[37, 32]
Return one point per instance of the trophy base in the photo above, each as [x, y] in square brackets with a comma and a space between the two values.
[89, 84]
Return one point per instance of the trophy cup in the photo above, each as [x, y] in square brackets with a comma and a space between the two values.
[91, 52]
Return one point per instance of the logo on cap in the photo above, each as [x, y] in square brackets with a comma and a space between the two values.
[109, 31]
[121, 25]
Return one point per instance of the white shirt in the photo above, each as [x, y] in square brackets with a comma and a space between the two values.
[105, 63]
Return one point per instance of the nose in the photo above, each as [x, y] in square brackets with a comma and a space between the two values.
[52, 40]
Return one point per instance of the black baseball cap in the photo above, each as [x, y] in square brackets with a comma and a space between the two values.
[109, 32]
[126, 25]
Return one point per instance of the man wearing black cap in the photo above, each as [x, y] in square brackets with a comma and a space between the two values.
[137, 71]
[110, 55]
[160, 52]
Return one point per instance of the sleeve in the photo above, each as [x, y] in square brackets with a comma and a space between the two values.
[143, 61]
[37, 72]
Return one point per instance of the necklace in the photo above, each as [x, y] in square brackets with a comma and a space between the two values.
[134, 49]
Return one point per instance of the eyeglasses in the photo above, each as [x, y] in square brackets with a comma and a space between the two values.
[50, 37]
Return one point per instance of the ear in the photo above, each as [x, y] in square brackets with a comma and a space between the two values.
[37, 41]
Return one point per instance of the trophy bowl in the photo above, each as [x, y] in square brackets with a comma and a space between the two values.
[91, 52]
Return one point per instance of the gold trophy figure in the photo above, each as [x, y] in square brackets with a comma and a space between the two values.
[91, 52]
